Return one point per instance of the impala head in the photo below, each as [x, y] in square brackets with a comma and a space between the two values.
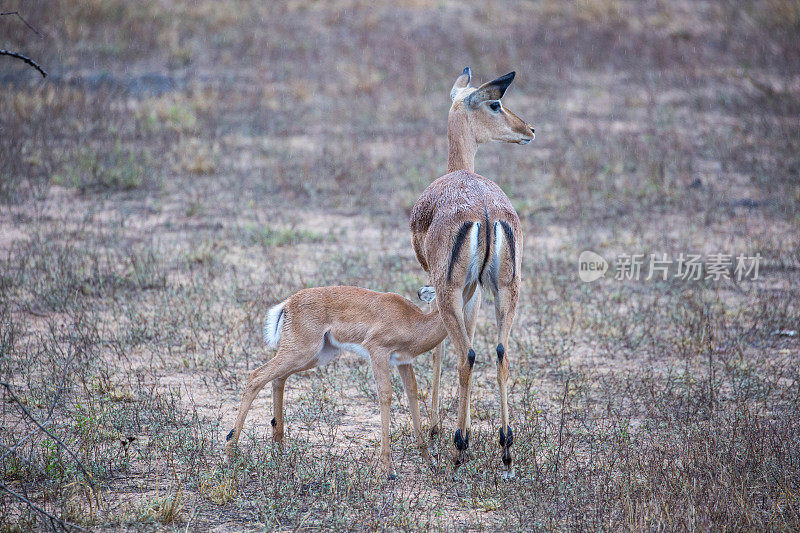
[427, 294]
[480, 109]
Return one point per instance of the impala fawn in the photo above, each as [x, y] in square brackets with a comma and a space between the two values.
[313, 326]
[461, 207]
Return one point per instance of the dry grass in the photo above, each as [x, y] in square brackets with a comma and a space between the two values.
[187, 164]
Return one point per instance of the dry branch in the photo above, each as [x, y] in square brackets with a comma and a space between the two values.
[26, 59]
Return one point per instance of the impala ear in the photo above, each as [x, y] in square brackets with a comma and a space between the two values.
[491, 90]
[462, 82]
[427, 294]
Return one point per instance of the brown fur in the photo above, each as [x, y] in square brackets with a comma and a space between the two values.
[448, 202]
[382, 323]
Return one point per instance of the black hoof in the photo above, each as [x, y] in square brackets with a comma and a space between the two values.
[507, 459]
[273, 422]
[392, 477]
[461, 443]
[229, 437]
[506, 439]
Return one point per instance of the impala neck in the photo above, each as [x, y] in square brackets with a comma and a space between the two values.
[461, 141]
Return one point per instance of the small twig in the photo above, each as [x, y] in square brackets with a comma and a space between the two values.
[26, 59]
[22, 19]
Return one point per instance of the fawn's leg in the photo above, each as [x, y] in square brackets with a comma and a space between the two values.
[410, 385]
[380, 370]
[277, 409]
[284, 363]
[438, 355]
[278, 386]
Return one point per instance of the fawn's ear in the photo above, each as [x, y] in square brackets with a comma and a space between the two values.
[491, 90]
[462, 82]
[427, 294]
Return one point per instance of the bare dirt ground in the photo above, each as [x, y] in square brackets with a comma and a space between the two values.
[185, 165]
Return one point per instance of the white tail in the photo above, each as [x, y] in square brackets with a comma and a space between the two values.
[473, 267]
[274, 325]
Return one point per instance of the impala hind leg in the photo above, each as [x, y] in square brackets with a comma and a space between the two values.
[279, 368]
[451, 311]
[428, 294]
[278, 387]
[505, 306]
[472, 305]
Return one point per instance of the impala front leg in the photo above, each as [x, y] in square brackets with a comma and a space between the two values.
[438, 355]
[383, 381]
[410, 385]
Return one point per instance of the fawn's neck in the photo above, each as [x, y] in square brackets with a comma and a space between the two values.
[431, 330]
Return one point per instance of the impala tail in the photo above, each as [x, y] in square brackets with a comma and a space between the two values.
[274, 325]
[469, 232]
[503, 238]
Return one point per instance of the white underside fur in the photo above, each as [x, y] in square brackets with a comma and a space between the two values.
[331, 349]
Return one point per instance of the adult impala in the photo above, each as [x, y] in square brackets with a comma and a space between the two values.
[461, 208]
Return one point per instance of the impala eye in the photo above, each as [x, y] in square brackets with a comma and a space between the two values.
[495, 106]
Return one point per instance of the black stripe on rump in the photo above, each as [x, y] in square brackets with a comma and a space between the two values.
[511, 246]
[462, 234]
